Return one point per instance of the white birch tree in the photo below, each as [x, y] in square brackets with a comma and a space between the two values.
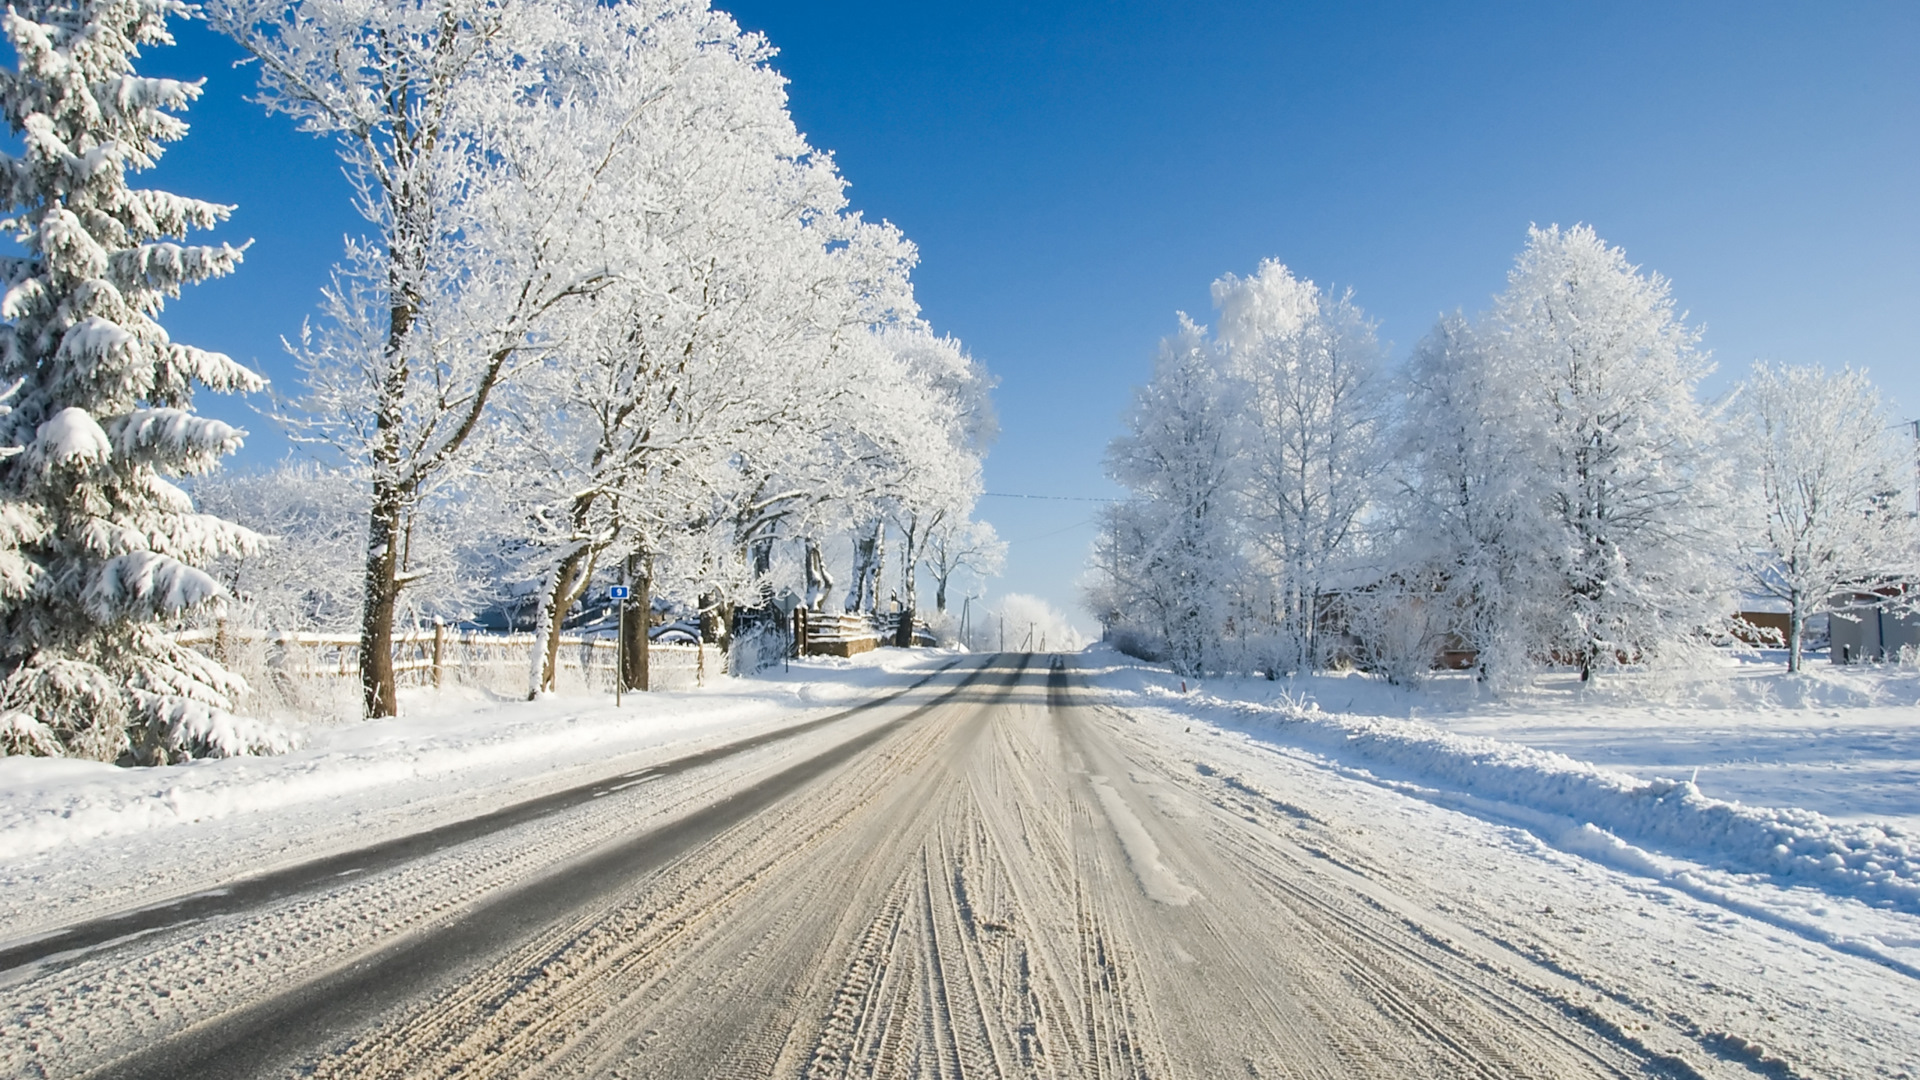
[1306, 365]
[1173, 551]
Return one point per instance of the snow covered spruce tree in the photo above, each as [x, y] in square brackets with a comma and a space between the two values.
[1831, 492]
[109, 549]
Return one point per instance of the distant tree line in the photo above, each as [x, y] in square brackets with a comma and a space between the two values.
[1540, 485]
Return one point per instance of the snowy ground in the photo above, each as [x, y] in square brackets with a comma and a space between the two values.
[1805, 813]
[81, 838]
[1843, 741]
[1010, 871]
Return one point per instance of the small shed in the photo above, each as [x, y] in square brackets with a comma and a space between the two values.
[1761, 620]
[1872, 629]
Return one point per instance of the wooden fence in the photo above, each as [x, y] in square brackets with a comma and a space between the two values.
[849, 633]
[441, 655]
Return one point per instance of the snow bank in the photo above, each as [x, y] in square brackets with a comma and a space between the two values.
[1876, 863]
[451, 744]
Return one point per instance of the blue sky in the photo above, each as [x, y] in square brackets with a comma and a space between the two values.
[1074, 173]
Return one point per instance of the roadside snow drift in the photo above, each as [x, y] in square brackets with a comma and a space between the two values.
[1878, 864]
[454, 746]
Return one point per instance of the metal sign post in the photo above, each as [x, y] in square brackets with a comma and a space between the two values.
[618, 594]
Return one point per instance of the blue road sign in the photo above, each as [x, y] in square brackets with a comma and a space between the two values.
[619, 592]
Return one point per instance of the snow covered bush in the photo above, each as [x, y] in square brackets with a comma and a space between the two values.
[1400, 626]
[110, 551]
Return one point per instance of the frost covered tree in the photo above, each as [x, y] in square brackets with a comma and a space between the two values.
[1306, 365]
[1255, 456]
[1564, 495]
[1553, 490]
[958, 544]
[110, 551]
[938, 478]
[307, 577]
[613, 191]
[1460, 536]
[1170, 552]
[656, 407]
[481, 143]
[1831, 492]
[1618, 459]
[1464, 531]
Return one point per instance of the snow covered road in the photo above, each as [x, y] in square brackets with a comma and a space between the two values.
[994, 874]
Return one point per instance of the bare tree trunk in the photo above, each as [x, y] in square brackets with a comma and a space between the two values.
[716, 626]
[379, 694]
[819, 582]
[536, 656]
[569, 581]
[639, 603]
[910, 563]
[406, 257]
[1796, 629]
[859, 598]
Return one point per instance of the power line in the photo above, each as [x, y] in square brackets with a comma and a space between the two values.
[1054, 532]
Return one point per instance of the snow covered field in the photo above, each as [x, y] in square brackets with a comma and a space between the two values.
[79, 838]
[1805, 813]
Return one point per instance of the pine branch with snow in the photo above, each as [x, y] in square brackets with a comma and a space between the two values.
[105, 552]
